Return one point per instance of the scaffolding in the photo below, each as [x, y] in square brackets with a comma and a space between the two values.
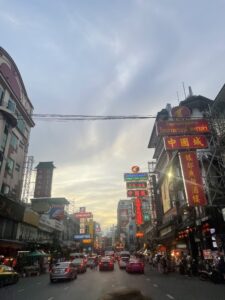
[27, 174]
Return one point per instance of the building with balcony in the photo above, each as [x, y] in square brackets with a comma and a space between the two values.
[15, 125]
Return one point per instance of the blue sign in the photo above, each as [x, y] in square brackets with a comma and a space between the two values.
[135, 176]
[81, 236]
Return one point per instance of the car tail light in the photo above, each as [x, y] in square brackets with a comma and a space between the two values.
[67, 270]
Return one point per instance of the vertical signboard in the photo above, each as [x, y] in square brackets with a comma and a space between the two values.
[138, 211]
[192, 179]
[165, 194]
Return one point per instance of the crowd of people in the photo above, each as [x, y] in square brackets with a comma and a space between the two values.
[185, 264]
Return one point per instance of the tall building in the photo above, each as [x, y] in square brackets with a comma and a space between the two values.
[43, 183]
[124, 215]
[15, 125]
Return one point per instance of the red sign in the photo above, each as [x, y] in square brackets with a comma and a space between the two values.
[192, 179]
[182, 127]
[137, 193]
[84, 215]
[180, 112]
[136, 185]
[138, 211]
[185, 142]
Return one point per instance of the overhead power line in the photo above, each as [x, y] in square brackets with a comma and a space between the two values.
[60, 117]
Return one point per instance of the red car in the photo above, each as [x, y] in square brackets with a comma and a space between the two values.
[106, 263]
[135, 266]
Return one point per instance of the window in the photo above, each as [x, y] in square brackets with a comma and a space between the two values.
[11, 105]
[5, 189]
[10, 165]
[21, 144]
[14, 141]
[1, 95]
[17, 168]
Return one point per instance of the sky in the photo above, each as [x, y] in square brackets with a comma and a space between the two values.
[101, 57]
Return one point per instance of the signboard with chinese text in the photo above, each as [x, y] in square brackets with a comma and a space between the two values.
[139, 234]
[137, 193]
[192, 178]
[135, 176]
[87, 241]
[185, 142]
[182, 127]
[136, 185]
[83, 215]
[138, 211]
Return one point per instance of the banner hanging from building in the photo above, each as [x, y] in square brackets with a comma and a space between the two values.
[185, 142]
[192, 179]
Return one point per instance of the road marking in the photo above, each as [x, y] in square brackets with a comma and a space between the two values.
[148, 279]
[39, 282]
[20, 290]
[51, 298]
[169, 296]
[66, 288]
[155, 285]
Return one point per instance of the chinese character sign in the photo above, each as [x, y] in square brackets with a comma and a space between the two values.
[192, 179]
[138, 211]
[185, 142]
[136, 185]
[137, 193]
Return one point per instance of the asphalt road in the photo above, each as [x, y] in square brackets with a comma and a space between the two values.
[92, 284]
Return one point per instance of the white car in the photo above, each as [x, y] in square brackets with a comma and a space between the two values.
[123, 262]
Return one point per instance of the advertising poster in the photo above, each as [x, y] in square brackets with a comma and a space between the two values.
[57, 212]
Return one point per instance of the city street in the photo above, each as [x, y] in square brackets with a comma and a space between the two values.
[92, 284]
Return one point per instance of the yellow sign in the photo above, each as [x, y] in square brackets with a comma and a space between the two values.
[87, 241]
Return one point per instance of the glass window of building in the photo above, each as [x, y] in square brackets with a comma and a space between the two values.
[11, 105]
[10, 165]
[1, 94]
[14, 141]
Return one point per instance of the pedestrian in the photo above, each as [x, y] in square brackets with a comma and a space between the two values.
[125, 294]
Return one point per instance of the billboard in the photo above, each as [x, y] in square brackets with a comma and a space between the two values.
[137, 193]
[192, 179]
[138, 211]
[135, 176]
[84, 215]
[182, 127]
[185, 142]
[81, 236]
[136, 185]
[56, 212]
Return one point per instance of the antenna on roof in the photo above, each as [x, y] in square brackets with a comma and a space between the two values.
[185, 96]
[178, 99]
[190, 91]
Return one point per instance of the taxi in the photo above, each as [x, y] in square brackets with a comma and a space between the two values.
[8, 275]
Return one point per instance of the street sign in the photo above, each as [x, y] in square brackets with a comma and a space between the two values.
[81, 236]
[80, 215]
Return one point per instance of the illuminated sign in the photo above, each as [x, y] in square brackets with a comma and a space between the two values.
[185, 142]
[135, 176]
[80, 215]
[86, 241]
[135, 169]
[192, 179]
[136, 185]
[182, 127]
[180, 112]
[81, 236]
[138, 211]
[137, 193]
[139, 234]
